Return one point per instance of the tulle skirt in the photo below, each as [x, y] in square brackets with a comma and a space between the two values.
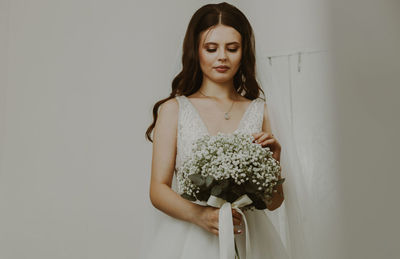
[170, 238]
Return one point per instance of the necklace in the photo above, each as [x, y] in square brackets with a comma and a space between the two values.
[227, 115]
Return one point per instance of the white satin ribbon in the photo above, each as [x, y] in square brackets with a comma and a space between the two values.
[225, 222]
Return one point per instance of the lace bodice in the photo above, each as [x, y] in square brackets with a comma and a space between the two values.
[191, 126]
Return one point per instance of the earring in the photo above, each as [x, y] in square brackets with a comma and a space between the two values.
[242, 76]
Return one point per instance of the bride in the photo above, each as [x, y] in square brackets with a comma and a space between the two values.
[216, 92]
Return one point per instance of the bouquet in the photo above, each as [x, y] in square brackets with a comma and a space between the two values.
[229, 166]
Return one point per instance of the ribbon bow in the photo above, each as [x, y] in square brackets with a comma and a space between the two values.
[226, 237]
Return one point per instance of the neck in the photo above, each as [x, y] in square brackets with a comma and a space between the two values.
[224, 90]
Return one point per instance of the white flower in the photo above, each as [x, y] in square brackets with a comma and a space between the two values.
[227, 156]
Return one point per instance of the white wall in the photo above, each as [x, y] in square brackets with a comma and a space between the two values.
[366, 92]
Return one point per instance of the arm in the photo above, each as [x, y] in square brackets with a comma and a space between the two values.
[163, 162]
[277, 197]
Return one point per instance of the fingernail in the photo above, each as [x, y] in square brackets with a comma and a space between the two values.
[240, 231]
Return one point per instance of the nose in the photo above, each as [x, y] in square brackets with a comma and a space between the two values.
[222, 55]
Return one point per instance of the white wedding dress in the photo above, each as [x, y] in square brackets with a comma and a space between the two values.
[171, 238]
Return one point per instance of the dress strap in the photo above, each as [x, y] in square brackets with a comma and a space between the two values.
[254, 119]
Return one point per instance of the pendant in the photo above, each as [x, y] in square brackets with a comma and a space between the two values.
[227, 116]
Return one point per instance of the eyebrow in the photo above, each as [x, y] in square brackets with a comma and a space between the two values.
[214, 43]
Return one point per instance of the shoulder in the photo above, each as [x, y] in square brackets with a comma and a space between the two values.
[261, 104]
[168, 113]
[264, 107]
[257, 100]
[169, 107]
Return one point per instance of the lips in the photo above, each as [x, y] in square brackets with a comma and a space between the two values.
[222, 67]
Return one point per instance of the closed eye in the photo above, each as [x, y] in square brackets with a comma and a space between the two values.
[230, 50]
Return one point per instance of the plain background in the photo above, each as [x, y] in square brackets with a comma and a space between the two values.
[77, 83]
[366, 39]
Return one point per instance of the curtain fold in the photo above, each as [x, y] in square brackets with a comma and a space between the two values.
[300, 107]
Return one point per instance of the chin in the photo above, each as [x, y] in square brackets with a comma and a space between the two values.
[222, 78]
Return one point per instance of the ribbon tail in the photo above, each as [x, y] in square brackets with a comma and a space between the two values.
[226, 237]
[248, 247]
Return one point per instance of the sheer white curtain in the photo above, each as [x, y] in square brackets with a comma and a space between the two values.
[300, 104]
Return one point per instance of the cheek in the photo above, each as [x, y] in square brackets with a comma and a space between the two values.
[235, 59]
[206, 59]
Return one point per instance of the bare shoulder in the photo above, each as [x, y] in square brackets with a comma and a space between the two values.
[168, 111]
[265, 108]
[169, 108]
[167, 118]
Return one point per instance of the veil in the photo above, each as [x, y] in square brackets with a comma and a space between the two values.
[300, 111]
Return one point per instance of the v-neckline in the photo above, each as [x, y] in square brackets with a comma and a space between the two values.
[219, 132]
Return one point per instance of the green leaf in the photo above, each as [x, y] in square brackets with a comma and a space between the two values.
[188, 197]
[209, 181]
[202, 196]
[197, 179]
[231, 196]
[257, 202]
[237, 189]
[216, 190]
[280, 181]
[250, 187]
[225, 183]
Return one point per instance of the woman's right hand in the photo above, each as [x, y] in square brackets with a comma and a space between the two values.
[209, 219]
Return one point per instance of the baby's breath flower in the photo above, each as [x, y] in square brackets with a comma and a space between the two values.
[229, 156]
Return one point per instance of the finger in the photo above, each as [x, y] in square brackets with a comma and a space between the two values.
[214, 231]
[239, 218]
[216, 217]
[236, 222]
[264, 137]
[257, 135]
[236, 214]
[268, 142]
[237, 231]
[215, 225]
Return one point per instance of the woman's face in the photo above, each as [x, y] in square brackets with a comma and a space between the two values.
[220, 46]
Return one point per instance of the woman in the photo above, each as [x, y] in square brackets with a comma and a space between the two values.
[216, 92]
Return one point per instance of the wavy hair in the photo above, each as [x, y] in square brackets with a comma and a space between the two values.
[189, 80]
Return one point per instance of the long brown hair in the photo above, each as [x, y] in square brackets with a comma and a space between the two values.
[189, 80]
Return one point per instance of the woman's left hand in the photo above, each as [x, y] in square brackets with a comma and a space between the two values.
[267, 139]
